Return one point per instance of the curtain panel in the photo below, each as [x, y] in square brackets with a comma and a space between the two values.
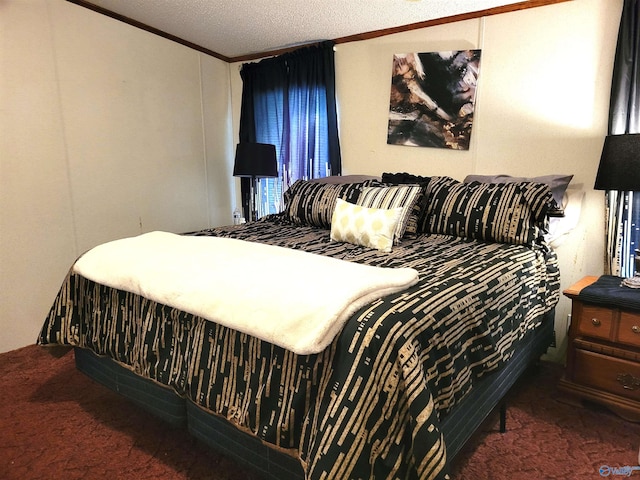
[289, 101]
[623, 208]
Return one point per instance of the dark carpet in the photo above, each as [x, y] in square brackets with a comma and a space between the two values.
[55, 423]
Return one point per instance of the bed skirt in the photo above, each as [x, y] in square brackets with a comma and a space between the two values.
[457, 427]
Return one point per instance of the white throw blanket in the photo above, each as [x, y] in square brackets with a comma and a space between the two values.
[294, 299]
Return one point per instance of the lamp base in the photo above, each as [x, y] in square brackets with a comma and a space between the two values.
[254, 204]
[633, 282]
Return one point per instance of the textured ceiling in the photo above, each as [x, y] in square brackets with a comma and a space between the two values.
[240, 28]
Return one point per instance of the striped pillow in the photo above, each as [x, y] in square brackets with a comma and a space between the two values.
[514, 213]
[557, 183]
[312, 203]
[420, 210]
[406, 197]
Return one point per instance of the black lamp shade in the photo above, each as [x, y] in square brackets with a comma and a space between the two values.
[255, 160]
[620, 164]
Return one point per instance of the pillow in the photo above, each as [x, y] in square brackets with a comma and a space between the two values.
[404, 178]
[368, 227]
[557, 183]
[403, 196]
[312, 203]
[418, 217]
[337, 179]
[514, 213]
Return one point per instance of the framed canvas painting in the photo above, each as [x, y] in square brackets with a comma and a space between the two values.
[433, 99]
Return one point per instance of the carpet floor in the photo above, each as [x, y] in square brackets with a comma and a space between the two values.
[55, 423]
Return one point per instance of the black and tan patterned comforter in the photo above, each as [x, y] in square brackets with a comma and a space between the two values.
[369, 405]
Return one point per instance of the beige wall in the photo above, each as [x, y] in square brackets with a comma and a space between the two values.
[541, 108]
[107, 131]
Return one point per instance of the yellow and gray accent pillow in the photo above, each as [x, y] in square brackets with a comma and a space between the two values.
[368, 227]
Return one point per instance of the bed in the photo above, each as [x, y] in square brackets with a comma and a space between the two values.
[406, 379]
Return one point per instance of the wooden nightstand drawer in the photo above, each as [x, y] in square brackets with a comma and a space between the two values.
[595, 321]
[629, 330]
[603, 351]
[614, 375]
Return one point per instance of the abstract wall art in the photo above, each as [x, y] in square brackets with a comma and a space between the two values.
[432, 99]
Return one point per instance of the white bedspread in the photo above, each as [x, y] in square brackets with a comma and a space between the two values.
[294, 299]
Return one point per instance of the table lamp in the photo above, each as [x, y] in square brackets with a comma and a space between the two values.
[255, 160]
[619, 169]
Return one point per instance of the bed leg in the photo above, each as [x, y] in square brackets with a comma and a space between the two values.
[503, 417]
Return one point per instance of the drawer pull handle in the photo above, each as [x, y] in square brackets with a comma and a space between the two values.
[628, 381]
[635, 329]
[595, 322]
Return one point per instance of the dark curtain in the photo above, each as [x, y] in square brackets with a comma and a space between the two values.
[623, 208]
[262, 91]
[289, 101]
[624, 112]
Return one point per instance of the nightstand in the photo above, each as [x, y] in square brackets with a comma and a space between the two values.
[603, 354]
